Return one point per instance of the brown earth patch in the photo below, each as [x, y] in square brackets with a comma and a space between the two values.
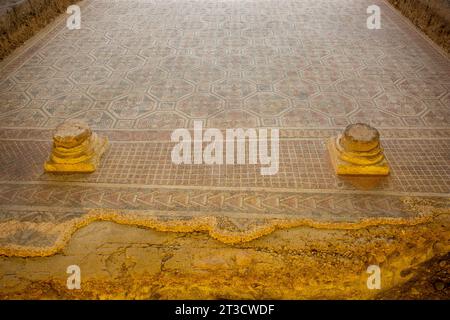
[431, 16]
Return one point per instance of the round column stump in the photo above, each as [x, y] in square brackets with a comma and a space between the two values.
[357, 151]
[75, 148]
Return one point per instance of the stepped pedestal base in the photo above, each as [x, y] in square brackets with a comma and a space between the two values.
[75, 149]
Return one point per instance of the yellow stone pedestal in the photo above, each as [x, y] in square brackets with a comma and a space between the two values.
[358, 152]
[75, 149]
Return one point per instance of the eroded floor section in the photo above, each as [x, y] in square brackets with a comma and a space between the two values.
[119, 261]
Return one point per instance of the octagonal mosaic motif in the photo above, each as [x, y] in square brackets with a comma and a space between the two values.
[253, 58]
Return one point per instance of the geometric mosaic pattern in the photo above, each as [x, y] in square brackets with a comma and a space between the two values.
[136, 70]
[275, 62]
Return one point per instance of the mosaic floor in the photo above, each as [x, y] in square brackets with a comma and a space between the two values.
[137, 70]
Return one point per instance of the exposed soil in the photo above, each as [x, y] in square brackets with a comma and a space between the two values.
[431, 16]
[126, 262]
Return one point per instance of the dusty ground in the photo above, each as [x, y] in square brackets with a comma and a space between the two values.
[120, 261]
[21, 19]
[431, 16]
[138, 70]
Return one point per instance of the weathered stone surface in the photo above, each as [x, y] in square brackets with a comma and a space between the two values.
[125, 262]
[432, 16]
[360, 137]
[358, 152]
[71, 134]
[21, 19]
[75, 148]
